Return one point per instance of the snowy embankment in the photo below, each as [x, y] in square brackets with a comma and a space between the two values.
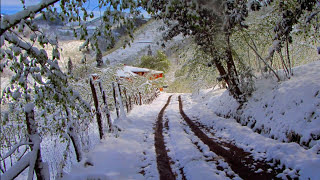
[128, 156]
[277, 109]
[288, 111]
[297, 161]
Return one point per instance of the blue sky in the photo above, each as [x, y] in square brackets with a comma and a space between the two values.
[14, 6]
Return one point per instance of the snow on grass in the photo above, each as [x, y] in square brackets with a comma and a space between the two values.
[288, 111]
[152, 37]
[129, 155]
[138, 47]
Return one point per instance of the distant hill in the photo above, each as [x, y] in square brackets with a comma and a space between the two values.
[51, 20]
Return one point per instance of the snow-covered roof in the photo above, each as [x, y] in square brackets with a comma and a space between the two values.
[156, 72]
[136, 69]
[129, 71]
[123, 73]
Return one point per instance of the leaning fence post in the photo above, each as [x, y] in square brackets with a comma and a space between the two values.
[96, 104]
[104, 98]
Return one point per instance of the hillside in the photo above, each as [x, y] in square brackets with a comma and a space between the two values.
[148, 37]
[288, 111]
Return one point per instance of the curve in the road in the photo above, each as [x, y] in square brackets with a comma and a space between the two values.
[239, 160]
[163, 162]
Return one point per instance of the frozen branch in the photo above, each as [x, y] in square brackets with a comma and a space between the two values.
[18, 168]
[14, 148]
[10, 21]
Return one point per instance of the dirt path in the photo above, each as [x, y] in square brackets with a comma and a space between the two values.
[241, 162]
[163, 162]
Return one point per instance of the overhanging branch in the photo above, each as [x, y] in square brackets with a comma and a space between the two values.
[15, 19]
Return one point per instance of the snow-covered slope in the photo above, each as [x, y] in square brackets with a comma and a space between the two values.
[294, 160]
[150, 36]
[288, 111]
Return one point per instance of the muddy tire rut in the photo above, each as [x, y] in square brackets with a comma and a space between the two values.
[239, 160]
[163, 160]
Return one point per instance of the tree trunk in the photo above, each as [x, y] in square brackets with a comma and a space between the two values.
[288, 57]
[99, 58]
[232, 70]
[233, 86]
[96, 104]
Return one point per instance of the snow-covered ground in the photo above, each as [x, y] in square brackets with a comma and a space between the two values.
[294, 158]
[288, 111]
[124, 157]
[131, 155]
[184, 148]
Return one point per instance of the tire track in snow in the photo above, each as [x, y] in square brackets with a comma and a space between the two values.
[163, 162]
[239, 160]
[189, 161]
[215, 160]
[176, 166]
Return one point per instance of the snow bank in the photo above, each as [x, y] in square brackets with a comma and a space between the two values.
[288, 111]
[294, 159]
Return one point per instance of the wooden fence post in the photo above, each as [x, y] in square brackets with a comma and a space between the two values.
[130, 103]
[135, 99]
[140, 98]
[125, 95]
[115, 99]
[120, 102]
[105, 102]
[96, 104]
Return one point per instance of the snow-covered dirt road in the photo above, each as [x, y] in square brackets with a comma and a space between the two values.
[172, 139]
